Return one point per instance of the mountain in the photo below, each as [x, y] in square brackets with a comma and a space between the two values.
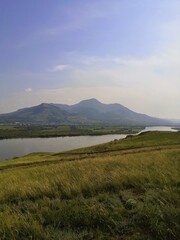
[85, 112]
[42, 114]
[175, 121]
[111, 113]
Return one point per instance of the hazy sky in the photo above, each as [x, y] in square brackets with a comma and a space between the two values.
[63, 51]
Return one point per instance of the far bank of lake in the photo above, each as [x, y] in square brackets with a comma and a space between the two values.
[10, 148]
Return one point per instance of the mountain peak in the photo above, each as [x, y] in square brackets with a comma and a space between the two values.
[90, 101]
[44, 105]
[87, 111]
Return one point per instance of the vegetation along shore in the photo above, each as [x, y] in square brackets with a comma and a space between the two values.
[30, 131]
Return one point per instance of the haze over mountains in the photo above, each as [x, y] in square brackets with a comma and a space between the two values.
[85, 112]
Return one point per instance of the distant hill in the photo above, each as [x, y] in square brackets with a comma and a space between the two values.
[42, 114]
[111, 113]
[85, 112]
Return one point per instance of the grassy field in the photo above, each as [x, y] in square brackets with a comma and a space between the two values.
[7, 131]
[126, 189]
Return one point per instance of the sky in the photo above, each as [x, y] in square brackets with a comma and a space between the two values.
[117, 51]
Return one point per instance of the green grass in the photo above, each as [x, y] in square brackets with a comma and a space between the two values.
[146, 139]
[126, 189]
[56, 131]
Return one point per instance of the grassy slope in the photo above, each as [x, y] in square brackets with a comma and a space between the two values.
[125, 189]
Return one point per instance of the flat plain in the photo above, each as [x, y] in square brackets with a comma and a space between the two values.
[33, 131]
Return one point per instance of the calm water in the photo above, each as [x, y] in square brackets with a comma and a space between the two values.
[159, 128]
[10, 148]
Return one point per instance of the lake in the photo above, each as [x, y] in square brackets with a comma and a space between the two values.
[10, 148]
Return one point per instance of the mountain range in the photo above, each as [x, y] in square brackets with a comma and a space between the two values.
[86, 112]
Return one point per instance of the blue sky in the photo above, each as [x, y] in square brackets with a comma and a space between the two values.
[125, 51]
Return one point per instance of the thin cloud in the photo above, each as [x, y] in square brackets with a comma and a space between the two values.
[59, 68]
[28, 90]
